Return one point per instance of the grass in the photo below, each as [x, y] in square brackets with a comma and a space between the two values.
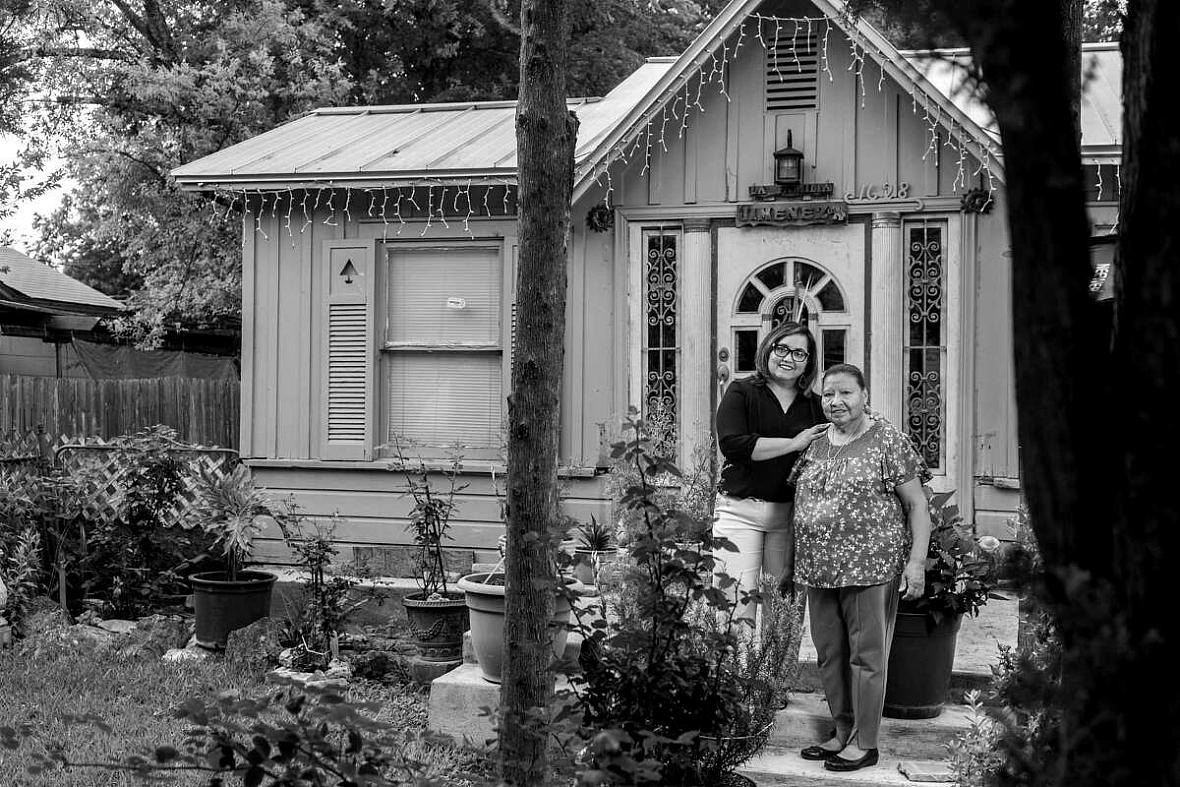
[135, 699]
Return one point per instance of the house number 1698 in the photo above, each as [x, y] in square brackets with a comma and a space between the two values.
[885, 191]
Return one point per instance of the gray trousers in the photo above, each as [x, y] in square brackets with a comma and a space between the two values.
[852, 628]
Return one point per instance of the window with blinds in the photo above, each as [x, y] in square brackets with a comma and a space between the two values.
[443, 353]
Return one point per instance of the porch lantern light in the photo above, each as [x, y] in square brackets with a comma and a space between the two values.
[788, 165]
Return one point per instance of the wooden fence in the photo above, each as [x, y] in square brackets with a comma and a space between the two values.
[204, 412]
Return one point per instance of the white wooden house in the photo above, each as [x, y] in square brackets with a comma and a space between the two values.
[379, 250]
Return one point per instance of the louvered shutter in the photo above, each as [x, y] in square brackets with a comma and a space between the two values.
[792, 71]
[347, 351]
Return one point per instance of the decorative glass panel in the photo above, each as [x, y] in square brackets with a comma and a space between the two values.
[834, 347]
[774, 276]
[661, 348]
[926, 352]
[830, 298]
[784, 311]
[807, 276]
[746, 341]
[750, 301]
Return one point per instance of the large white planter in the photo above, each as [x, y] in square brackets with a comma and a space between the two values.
[485, 605]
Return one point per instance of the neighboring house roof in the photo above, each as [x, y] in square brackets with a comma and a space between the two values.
[477, 141]
[1102, 95]
[359, 145]
[34, 286]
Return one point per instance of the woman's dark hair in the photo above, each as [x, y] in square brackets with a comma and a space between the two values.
[762, 355]
[846, 368]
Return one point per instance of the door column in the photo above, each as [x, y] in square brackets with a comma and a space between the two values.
[886, 332]
[696, 353]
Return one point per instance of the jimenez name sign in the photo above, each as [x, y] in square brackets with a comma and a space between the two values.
[791, 214]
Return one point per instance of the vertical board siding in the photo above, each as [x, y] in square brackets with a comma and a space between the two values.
[205, 412]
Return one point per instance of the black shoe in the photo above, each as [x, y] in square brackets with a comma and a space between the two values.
[837, 763]
[817, 753]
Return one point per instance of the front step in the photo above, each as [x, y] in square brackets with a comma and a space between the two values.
[781, 769]
[806, 721]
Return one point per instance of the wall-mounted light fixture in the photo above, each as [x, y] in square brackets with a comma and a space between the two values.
[788, 164]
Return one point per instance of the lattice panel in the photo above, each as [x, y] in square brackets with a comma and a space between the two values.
[96, 471]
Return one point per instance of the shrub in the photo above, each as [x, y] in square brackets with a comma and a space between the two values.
[960, 567]
[20, 571]
[126, 560]
[664, 675]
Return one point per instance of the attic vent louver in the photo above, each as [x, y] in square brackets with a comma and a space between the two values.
[792, 72]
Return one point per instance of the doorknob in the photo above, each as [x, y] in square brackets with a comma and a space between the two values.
[723, 367]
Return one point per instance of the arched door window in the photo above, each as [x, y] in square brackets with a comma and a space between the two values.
[793, 289]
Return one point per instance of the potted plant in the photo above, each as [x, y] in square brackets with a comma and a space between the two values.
[595, 544]
[484, 593]
[437, 612]
[228, 506]
[960, 574]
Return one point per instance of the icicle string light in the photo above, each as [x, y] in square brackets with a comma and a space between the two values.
[780, 38]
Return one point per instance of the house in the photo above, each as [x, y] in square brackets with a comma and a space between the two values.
[789, 161]
[41, 309]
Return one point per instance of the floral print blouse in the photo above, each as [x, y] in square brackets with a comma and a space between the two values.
[850, 526]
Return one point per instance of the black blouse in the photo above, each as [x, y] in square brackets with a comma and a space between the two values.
[749, 410]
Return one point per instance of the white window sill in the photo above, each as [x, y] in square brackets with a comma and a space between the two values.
[469, 467]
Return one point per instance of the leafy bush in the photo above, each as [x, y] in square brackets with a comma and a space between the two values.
[960, 567]
[126, 561]
[688, 495]
[20, 572]
[663, 678]
[1016, 723]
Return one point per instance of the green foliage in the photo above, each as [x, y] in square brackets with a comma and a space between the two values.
[178, 81]
[596, 536]
[663, 676]
[688, 495]
[228, 506]
[125, 561]
[174, 81]
[326, 603]
[430, 516]
[20, 572]
[960, 567]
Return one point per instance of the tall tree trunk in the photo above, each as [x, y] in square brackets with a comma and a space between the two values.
[1096, 408]
[545, 133]
[1071, 28]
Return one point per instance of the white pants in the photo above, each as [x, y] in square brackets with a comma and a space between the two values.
[761, 532]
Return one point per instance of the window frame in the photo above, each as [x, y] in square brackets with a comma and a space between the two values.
[386, 349]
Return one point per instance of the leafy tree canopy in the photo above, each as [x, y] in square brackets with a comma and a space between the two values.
[129, 91]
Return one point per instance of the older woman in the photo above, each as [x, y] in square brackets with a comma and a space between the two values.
[862, 525]
[763, 423]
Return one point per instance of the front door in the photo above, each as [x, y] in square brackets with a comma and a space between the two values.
[766, 276]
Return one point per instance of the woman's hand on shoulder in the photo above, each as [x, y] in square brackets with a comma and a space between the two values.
[912, 585]
[808, 436]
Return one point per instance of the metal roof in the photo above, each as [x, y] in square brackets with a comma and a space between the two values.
[372, 145]
[367, 146]
[40, 282]
[1102, 95]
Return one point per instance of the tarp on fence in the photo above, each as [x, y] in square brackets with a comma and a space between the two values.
[120, 362]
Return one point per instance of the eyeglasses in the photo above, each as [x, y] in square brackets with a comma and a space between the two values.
[782, 351]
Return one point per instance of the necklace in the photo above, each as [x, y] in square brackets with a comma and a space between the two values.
[830, 456]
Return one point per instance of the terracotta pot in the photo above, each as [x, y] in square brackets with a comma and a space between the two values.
[437, 626]
[222, 605]
[485, 603]
[920, 663]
